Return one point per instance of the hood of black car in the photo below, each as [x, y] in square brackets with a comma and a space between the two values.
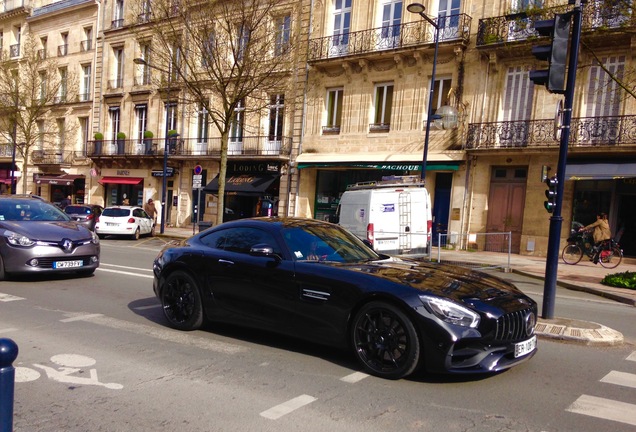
[48, 231]
[458, 283]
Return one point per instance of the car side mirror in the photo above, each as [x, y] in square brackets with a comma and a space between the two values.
[264, 250]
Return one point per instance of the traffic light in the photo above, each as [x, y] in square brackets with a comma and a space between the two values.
[551, 193]
[556, 53]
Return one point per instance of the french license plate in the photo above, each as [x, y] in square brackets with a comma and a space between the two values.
[525, 347]
[68, 264]
[111, 224]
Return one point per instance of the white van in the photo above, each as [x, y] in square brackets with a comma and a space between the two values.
[394, 214]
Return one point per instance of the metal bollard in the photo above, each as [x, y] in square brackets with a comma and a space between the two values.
[8, 353]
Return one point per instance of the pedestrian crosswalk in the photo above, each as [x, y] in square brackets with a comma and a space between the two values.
[608, 409]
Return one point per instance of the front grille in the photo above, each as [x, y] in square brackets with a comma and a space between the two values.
[514, 326]
[47, 263]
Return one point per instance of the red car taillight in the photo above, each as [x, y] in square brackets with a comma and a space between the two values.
[97, 219]
[370, 233]
[131, 220]
[90, 217]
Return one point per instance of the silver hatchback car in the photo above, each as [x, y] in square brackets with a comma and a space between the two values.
[37, 237]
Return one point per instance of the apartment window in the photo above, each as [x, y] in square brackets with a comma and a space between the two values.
[283, 33]
[383, 104]
[243, 38]
[170, 116]
[14, 50]
[118, 56]
[209, 50]
[334, 111]
[236, 129]
[62, 90]
[84, 130]
[391, 23]
[143, 70]
[517, 101]
[61, 138]
[141, 116]
[43, 86]
[114, 114]
[85, 90]
[145, 14]
[42, 51]
[62, 50]
[87, 43]
[441, 91]
[603, 93]
[175, 61]
[203, 123]
[118, 14]
[341, 26]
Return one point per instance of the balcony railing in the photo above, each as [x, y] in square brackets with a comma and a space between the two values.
[14, 50]
[42, 54]
[117, 23]
[115, 83]
[62, 50]
[9, 5]
[86, 45]
[585, 132]
[143, 79]
[451, 28]
[52, 157]
[520, 26]
[248, 146]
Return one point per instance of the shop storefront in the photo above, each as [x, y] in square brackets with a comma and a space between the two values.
[251, 189]
[56, 187]
[121, 185]
[609, 188]
[5, 177]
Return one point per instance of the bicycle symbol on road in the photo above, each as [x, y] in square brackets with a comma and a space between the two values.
[69, 370]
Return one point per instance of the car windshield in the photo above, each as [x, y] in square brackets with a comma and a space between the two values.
[30, 210]
[72, 209]
[326, 243]
[116, 212]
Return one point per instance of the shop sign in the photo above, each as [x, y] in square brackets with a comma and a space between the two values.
[159, 173]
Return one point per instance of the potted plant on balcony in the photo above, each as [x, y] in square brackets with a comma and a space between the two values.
[148, 136]
[99, 138]
[121, 142]
[172, 141]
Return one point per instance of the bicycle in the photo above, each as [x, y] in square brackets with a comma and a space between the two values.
[609, 253]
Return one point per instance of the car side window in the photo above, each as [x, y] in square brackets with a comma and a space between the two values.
[239, 240]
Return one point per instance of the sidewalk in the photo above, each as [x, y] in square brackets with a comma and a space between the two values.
[584, 276]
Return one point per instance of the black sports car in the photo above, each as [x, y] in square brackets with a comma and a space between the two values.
[315, 280]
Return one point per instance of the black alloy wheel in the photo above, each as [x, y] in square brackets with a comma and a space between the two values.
[385, 341]
[181, 301]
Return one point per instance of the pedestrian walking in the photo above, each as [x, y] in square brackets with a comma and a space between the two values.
[150, 208]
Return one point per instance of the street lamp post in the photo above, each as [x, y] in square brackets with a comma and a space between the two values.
[164, 186]
[419, 8]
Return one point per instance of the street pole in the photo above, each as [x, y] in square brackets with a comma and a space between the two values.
[556, 221]
[419, 9]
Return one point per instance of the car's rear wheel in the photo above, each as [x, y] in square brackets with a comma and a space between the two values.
[181, 301]
[137, 234]
[385, 340]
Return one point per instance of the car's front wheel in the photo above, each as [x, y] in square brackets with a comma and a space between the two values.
[181, 301]
[385, 340]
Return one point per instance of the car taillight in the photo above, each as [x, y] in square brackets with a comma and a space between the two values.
[370, 233]
[97, 219]
[90, 217]
[131, 220]
[429, 226]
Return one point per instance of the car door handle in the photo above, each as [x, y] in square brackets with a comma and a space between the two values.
[222, 261]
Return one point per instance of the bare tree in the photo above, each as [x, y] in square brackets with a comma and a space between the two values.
[33, 93]
[222, 57]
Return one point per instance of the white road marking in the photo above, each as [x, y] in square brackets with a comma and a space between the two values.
[354, 377]
[80, 318]
[9, 297]
[632, 356]
[160, 333]
[127, 267]
[605, 409]
[7, 330]
[620, 378]
[285, 408]
[125, 273]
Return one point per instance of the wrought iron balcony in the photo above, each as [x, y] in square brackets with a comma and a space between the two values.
[52, 157]
[178, 147]
[62, 50]
[451, 28]
[520, 26]
[585, 132]
[14, 50]
[86, 45]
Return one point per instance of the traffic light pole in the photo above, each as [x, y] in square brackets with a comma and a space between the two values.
[556, 221]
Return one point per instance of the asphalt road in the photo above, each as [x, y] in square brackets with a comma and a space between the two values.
[96, 355]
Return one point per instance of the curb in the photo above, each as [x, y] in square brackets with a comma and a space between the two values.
[587, 333]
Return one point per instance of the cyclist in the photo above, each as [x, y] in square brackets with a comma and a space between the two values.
[601, 232]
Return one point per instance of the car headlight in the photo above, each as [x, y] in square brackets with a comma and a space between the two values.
[451, 312]
[16, 239]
